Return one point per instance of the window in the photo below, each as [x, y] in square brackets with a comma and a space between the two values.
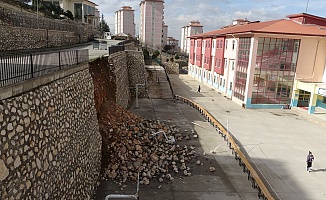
[233, 44]
[78, 11]
[230, 86]
[226, 63]
[275, 68]
[242, 67]
[213, 45]
[218, 44]
[221, 80]
[215, 80]
[224, 83]
[232, 64]
[226, 44]
[324, 100]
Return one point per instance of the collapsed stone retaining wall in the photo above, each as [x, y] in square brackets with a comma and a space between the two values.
[116, 76]
[50, 141]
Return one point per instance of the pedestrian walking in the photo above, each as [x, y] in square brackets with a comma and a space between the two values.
[310, 159]
[199, 88]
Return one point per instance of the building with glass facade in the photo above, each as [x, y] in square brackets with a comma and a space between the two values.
[273, 64]
[83, 10]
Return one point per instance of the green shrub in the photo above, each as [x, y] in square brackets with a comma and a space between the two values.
[176, 56]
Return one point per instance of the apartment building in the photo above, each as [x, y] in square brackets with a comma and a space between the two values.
[268, 64]
[193, 28]
[125, 21]
[83, 10]
[151, 23]
[164, 34]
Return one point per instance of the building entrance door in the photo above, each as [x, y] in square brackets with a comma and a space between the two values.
[304, 98]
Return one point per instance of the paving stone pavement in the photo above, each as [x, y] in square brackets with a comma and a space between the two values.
[277, 141]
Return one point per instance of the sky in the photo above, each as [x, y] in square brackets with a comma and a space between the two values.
[213, 14]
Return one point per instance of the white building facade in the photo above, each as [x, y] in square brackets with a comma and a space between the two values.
[125, 21]
[83, 10]
[151, 23]
[193, 28]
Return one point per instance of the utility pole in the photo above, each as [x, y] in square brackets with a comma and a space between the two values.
[307, 6]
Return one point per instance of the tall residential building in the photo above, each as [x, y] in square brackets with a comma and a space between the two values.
[164, 34]
[151, 23]
[193, 28]
[124, 21]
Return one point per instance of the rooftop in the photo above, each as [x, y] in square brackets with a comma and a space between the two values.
[281, 26]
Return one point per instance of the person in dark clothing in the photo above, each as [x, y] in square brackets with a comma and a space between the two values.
[199, 88]
[310, 159]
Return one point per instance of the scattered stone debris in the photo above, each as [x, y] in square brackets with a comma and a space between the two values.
[212, 169]
[132, 144]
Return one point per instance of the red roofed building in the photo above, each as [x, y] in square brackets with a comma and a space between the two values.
[268, 64]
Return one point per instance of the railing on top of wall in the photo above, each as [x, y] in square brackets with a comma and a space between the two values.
[20, 67]
[256, 181]
[119, 47]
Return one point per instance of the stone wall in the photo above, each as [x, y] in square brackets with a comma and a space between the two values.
[18, 38]
[115, 77]
[50, 141]
[137, 72]
[171, 67]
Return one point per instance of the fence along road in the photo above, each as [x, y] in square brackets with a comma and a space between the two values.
[15, 68]
[21, 67]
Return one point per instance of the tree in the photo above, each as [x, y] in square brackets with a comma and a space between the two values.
[176, 56]
[69, 14]
[146, 54]
[167, 48]
[156, 53]
[104, 27]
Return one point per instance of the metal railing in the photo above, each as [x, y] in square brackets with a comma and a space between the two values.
[20, 67]
[118, 47]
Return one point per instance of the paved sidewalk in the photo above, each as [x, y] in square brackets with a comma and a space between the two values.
[277, 141]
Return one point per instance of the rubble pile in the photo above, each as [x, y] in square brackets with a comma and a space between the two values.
[133, 145]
